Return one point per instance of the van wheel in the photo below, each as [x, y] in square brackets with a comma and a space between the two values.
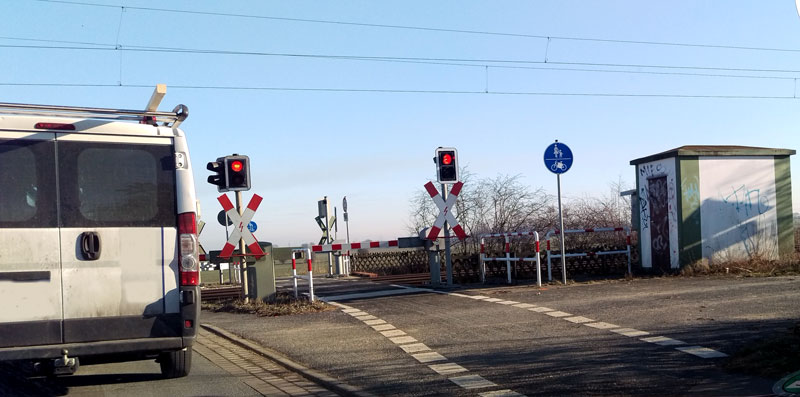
[176, 364]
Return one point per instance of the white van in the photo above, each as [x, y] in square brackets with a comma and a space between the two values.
[98, 237]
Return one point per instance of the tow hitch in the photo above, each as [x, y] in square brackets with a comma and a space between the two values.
[65, 365]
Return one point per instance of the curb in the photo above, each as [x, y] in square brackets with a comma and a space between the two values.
[313, 375]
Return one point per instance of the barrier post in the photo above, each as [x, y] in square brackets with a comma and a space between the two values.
[538, 261]
[508, 258]
[549, 267]
[482, 261]
[294, 275]
[310, 277]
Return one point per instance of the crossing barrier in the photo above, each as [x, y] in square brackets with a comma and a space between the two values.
[553, 232]
[508, 259]
[309, 277]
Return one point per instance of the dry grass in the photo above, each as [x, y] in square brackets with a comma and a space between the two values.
[284, 304]
[771, 357]
[754, 267]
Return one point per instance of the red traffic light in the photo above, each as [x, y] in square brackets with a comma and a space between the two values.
[447, 159]
[236, 166]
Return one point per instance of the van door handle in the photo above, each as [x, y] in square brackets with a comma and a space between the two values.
[90, 246]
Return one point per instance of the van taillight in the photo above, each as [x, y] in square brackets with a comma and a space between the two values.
[54, 126]
[187, 236]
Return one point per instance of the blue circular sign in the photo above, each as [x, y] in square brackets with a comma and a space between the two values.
[252, 226]
[558, 158]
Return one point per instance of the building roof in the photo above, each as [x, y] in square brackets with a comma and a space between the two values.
[713, 150]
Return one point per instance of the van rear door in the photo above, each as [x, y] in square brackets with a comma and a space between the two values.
[118, 237]
[30, 274]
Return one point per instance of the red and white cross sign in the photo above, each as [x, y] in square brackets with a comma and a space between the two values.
[445, 211]
[240, 226]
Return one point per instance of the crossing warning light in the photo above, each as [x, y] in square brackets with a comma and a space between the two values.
[237, 173]
[446, 165]
[231, 173]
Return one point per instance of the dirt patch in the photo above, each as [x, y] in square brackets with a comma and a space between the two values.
[773, 357]
[284, 304]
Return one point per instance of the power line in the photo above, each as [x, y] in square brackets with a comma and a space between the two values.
[432, 29]
[400, 91]
[466, 62]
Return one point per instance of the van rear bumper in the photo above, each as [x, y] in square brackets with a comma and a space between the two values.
[143, 346]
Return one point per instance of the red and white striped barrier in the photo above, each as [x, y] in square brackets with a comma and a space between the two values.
[553, 232]
[309, 277]
[508, 259]
[353, 246]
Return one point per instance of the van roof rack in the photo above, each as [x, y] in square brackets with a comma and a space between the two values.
[175, 117]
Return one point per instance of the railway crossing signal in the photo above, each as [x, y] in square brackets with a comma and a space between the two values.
[446, 165]
[231, 173]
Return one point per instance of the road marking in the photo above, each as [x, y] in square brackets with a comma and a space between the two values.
[579, 320]
[501, 393]
[374, 322]
[367, 317]
[630, 332]
[508, 302]
[702, 352]
[383, 327]
[663, 341]
[541, 309]
[601, 325]
[478, 297]
[414, 348]
[472, 382]
[358, 313]
[448, 368]
[428, 357]
[402, 339]
[459, 295]
[524, 305]
[351, 310]
[492, 300]
[557, 314]
[392, 332]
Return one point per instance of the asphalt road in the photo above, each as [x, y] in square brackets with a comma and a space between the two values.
[533, 341]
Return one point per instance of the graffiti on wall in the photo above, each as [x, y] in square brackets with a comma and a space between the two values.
[691, 192]
[658, 214]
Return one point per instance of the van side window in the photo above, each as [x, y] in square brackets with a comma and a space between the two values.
[116, 185]
[27, 179]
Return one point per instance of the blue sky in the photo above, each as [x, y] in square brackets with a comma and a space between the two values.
[372, 137]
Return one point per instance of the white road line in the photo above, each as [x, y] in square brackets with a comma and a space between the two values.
[383, 327]
[630, 332]
[557, 314]
[478, 297]
[428, 357]
[447, 369]
[524, 305]
[540, 309]
[414, 348]
[663, 341]
[472, 382]
[367, 317]
[458, 295]
[351, 310]
[702, 352]
[392, 333]
[601, 325]
[501, 393]
[579, 320]
[399, 340]
[492, 300]
[374, 322]
[358, 313]
[508, 302]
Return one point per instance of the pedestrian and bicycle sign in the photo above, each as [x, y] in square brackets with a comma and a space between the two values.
[558, 158]
[241, 226]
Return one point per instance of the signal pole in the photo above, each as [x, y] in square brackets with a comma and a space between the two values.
[243, 261]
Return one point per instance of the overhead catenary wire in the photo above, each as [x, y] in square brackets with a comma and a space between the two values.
[430, 29]
[402, 91]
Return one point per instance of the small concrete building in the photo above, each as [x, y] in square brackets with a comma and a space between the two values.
[718, 203]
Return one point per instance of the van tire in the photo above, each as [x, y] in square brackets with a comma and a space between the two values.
[176, 364]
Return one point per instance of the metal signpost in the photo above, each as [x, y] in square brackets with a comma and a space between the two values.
[558, 159]
[347, 230]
